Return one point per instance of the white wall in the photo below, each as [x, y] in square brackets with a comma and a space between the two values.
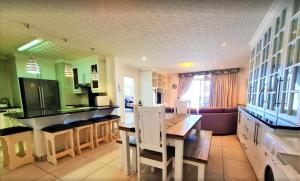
[123, 70]
[172, 93]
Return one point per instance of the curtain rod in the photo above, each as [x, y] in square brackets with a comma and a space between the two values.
[210, 72]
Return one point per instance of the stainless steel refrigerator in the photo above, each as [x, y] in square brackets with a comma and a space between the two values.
[38, 94]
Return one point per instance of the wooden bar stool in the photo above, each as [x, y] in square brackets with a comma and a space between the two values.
[113, 123]
[85, 127]
[50, 133]
[101, 129]
[22, 137]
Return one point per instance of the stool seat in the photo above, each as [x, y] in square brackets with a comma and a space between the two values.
[79, 123]
[112, 116]
[57, 128]
[98, 119]
[14, 130]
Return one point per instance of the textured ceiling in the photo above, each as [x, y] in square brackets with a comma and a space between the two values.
[165, 32]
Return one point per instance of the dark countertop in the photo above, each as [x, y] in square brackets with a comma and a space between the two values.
[44, 113]
[276, 125]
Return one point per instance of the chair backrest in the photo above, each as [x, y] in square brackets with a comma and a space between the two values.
[182, 107]
[150, 128]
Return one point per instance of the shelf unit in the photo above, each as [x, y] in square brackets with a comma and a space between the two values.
[274, 76]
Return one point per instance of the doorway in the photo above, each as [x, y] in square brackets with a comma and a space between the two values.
[128, 98]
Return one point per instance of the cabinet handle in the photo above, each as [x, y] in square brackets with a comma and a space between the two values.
[254, 137]
[257, 127]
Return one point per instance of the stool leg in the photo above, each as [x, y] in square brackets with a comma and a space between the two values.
[106, 132]
[96, 135]
[110, 130]
[91, 138]
[5, 152]
[72, 154]
[52, 158]
[77, 140]
[133, 159]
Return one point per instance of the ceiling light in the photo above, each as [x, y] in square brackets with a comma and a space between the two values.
[224, 44]
[144, 58]
[186, 64]
[30, 44]
[32, 67]
[68, 71]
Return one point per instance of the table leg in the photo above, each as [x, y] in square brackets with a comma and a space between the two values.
[178, 159]
[125, 152]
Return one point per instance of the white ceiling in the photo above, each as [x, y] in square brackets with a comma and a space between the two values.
[167, 32]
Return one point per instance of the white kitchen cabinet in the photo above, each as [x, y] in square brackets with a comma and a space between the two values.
[250, 133]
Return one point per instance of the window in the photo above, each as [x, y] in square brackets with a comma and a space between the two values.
[199, 92]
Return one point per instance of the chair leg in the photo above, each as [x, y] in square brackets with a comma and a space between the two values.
[201, 172]
[106, 132]
[164, 174]
[133, 159]
[52, 158]
[77, 142]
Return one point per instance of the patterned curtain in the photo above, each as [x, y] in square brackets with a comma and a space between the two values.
[223, 90]
[184, 85]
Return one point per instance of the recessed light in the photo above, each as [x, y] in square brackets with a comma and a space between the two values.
[224, 44]
[30, 44]
[186, 64]
[144, 58]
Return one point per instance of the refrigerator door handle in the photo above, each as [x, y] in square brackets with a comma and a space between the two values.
[40, 97]
[43, 98]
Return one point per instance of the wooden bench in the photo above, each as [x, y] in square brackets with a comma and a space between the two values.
[133, 156]
[196, 151]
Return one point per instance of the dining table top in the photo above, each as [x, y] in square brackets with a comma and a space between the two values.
[178, 126]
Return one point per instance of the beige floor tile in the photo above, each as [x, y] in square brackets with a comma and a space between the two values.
[216, 141]
[231, 142]
[215, 165]
[231, 179]
[213, 177]
[79, 170]
[107, 173]
[105, 155]
[117, 163]
[234, 154]
[238, 170]
[24, 173]
[216, 151]
[62, 162]
[48, 177]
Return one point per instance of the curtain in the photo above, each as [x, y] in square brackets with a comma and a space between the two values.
[223, 92]
[184, 85]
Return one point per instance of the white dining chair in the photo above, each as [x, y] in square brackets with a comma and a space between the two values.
[151, 139]
[182, 107]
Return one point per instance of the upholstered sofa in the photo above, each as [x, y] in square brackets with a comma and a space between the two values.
[222, 121]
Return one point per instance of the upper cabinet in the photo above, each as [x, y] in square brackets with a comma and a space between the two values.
[91, 72]
[274, 76]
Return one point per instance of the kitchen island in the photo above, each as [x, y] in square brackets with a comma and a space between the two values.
[40, 119]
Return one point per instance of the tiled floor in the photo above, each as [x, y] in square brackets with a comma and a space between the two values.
[227, 162]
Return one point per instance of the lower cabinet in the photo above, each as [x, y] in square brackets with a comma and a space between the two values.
[251, 132]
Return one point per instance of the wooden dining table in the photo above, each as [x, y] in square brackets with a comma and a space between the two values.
[178, 129]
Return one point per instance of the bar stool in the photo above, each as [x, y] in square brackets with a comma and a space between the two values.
[113, 123]
[86, 127]
[101, 129]
[50, 133]
[17, 135]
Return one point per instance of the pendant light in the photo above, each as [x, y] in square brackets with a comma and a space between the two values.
[31, 66]
[68, 69]
[94, 73]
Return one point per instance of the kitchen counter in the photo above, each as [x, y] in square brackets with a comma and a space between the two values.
[276, 125]
[44, 113]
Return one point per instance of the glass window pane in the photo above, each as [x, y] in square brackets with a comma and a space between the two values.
[296, 79]
[280, 41]
[293, 104]
[297, 59]
[293, 31]
[296, 6]
[283, 16]
[275, 45]
[277, 25]
[290, 55]
[285, 97]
